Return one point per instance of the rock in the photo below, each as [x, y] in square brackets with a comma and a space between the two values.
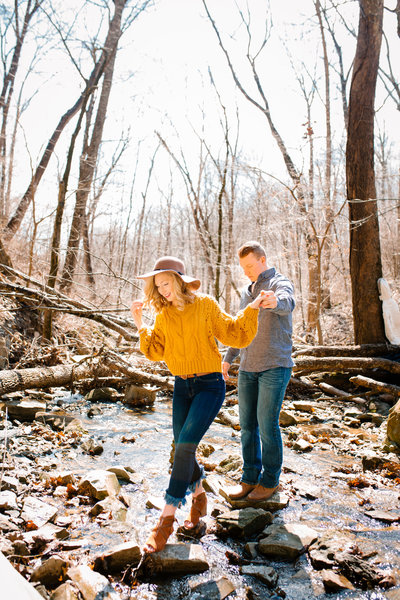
[301, 445]
[8, 500]
[250, 550]
[123, 473]
[6, 525]
[155, 502]
[287, 541]
[214, 484]
[66, 591]
[286, 419]
[140, 395]
[99, 484]
[230, 463]
[266, 574]
[90, 447]
[106, 394]
[37, 512]
[245, 521]
[214, 589]
[303, 406]
[334, 582]
[382, 515]
[57, 420]
[9, 483]
[24, 410]
[110, 505]
[51, 572]
[118, 558]
[92, 585]
[180, 559]
[393, 424]
[46, 533]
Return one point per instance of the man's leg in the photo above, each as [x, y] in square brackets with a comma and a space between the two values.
[271, 390]
[249, 432]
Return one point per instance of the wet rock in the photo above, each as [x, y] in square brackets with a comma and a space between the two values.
[286, 419]
[359, 571]
[124, 473]
[66, 477]
[382, 515]
[24, 410]
[8, 500]
[118, 558]
[112, 506]
[99, 484]
[93, 411]
[215, 589]
[57, 420]
[393, 424]
[66, 591]
[334, 582]
[250, 550]
[307, 489]
[244, 522]
[90, 447]
[106, 394]
[278, 501]
[140, 395]
[92, 585]
[301, 445]
[287, 541]
[37, 512]
[75, 426]
[267, 575]
[180, 559]
[51, 572]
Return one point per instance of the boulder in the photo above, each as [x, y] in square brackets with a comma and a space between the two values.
[214, 589]
[92, 585]
[180, 559]
[287, 541]
[245, 521]
[99, 484]
[393, 424]
[51, 572]
[118, 558]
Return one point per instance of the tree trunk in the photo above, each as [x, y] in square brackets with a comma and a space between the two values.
[365, 252]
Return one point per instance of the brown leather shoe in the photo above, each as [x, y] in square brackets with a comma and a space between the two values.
[197, 510]
[238, 492]
[261, 493]
[159, 535]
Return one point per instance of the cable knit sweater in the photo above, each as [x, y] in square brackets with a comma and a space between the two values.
[185, 339]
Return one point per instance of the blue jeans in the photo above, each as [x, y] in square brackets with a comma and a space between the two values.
[196, 403]
[260, 400]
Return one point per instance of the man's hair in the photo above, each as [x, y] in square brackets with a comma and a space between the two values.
[251, 246]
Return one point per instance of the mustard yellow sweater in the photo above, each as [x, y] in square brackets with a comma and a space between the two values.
[184, 339]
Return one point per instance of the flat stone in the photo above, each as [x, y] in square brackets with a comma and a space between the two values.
[278, 501]
[215, 589]
[266, 574]
[24, 410]
[383, 515]
[180, 559]
[37, 511]
[118, 558]
[92, 585]
[333, 581]
[304, 406]
[287, 541]
[124, 473]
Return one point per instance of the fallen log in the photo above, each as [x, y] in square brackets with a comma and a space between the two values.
[362, 350]
[340, 394]
[116, 363]
[344, 364]
[378, 386]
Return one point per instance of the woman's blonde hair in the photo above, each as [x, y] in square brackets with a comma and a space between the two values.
[183, 292]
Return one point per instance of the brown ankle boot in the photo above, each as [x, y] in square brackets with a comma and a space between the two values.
[159, 535]
[197, 510]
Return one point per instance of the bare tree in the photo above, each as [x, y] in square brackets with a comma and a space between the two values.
[365, 251]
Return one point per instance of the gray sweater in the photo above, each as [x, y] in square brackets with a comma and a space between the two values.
[272, 346]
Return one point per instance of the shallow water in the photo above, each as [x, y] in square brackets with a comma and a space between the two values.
[335, 506]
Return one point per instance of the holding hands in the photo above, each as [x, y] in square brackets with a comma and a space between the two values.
[265, 299]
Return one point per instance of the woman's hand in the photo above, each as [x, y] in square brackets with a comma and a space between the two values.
[265, 299]
[225, 369]
[136, 310]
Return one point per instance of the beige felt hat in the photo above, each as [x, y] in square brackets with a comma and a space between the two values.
[167, 264]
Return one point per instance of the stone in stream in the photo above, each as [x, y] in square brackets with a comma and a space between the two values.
[110, 505]
[24, 410]
[180, 559]
[267, 575]
[124, 473]
[334, 582]
[99, 484]
[244, 522]
[57, 420]
[51, 572]
[382, 515]
[92, 585]
[214, 589]
[287, 541]
[103, 394]
[66, 591]
[140, 395]
[393, 424]
[118, 558]
[286, 418]
[276, 502]
[37, 512]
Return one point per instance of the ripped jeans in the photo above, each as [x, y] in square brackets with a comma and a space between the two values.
[196, 402]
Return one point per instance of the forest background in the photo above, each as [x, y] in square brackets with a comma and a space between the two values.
[135, 129]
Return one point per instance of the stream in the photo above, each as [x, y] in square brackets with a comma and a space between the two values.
[316, 483]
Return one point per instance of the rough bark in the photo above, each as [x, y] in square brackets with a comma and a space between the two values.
[364, 350]
[365, 252]
[344, 364]
[378, 386]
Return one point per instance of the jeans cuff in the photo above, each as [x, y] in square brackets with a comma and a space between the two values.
[174, 501]
[192, 487]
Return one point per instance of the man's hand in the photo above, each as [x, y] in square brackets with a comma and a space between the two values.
[225, 369]
[269, 299]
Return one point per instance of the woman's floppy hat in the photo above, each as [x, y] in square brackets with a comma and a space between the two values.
[170, 264]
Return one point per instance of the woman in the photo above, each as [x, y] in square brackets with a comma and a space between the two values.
[183, 336]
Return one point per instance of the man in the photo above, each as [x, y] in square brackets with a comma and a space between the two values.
[265, 369]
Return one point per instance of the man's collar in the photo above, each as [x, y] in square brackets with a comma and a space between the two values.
[266, 274]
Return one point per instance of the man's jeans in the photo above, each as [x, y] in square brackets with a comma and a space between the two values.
[196, 403]
[260, 400]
